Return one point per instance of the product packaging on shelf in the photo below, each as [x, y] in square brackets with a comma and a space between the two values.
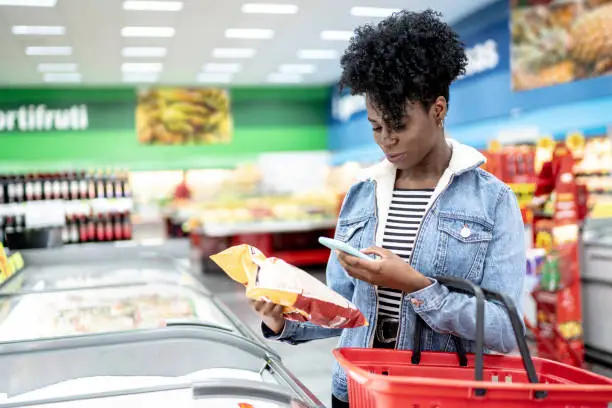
[305, 298]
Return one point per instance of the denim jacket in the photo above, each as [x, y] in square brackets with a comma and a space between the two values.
[472, 229]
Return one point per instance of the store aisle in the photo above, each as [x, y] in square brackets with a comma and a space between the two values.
[310, 362]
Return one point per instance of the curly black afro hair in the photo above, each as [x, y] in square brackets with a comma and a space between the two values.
[407, 57]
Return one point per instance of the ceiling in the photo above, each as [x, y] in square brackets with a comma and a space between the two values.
[93, 30]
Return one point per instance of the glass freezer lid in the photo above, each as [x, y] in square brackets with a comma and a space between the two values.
[104, 309]
[177, 398]
[95, 274]
[207, 364]
[214, 387]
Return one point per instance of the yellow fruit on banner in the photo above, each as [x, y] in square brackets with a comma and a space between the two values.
[592, 35]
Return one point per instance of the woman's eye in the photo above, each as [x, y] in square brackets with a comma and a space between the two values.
[377, 129]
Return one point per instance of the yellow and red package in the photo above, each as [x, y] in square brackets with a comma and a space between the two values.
[304, 297]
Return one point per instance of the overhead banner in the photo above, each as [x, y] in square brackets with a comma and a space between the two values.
[555, 42]
[179, 116]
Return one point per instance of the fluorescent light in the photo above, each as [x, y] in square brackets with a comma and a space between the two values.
[143, 52]
[28, 3]
[142, 67]
[69, 67]
[147, 31]
[261, 8]
[49, 51]
[297, 69]
[284, 78]
[62, 77]
[225, 68]
[250, 33]
[214, 78]
[39, 30]
[373, 11]
[336, 35]
[142, 77]
[233, 53]
[153, 5]
[317, 54]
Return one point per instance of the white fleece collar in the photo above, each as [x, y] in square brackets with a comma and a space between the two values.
[463, 158]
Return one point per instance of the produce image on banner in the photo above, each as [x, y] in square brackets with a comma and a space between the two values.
[559, 41]
[174, 116]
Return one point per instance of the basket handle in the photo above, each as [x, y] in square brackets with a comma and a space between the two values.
[481, 294]
[466, 286]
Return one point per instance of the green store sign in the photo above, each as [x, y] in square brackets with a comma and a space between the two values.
[36, 118]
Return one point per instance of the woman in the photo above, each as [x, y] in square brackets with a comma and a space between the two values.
[428, 210]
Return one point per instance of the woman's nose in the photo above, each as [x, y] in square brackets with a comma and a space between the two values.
[388, 138]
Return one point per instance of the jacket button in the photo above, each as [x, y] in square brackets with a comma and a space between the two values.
[416, 302]
[465, 232]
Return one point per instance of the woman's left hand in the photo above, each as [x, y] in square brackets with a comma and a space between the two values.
[389, 271]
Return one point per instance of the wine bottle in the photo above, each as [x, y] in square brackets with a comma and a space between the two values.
[29, 187]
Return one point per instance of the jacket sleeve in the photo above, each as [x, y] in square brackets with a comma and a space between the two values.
[504, 271]
[294, 332]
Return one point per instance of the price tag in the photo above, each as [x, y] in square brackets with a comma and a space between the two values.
[17, 261]
[42, 214]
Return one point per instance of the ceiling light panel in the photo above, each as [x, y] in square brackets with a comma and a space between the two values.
[157, 32]
[279, 77]
[250, 33]
[268, 8]
[143, 52]
[29, 3]
[297, 69]
[142, 67]
[317, 54]
[233, 53]
[336, 35]
[222, 68]
[140, 77]
[55, 51]
[59, 67]
[62, 77]
[373, 11]
[153, 5]
[39, 30]
[214, 78]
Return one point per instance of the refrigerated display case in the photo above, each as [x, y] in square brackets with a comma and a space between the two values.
[111, 291]
[181, 365]
[597, 289]
[109, 324]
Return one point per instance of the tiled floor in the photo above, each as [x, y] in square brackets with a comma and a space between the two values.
[310, 362]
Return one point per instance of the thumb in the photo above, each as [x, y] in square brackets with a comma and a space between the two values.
[375, 251]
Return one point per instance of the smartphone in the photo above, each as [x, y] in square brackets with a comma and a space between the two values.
[334, 244]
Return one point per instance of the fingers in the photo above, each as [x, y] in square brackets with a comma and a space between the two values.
[267, 308]
[375, 251]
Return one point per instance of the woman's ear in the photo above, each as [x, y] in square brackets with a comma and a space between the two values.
[439, 109]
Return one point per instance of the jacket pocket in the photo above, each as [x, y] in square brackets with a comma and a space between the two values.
[350, 231]
[463, 240]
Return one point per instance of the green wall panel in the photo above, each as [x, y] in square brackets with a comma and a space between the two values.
[265, 120]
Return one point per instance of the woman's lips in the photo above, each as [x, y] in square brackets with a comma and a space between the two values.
[394, 158]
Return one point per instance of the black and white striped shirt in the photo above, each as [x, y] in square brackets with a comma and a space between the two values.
[405, 216]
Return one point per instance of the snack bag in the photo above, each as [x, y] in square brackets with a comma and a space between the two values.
[304, 297]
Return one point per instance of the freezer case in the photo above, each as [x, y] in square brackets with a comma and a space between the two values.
[102, 289]
[179, 365]
[596, 270]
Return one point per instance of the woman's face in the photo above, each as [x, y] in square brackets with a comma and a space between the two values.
[420, 131]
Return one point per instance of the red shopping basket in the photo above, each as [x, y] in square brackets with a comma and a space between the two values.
[380, 378]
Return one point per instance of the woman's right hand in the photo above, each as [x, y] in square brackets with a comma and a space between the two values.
[271, 314]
